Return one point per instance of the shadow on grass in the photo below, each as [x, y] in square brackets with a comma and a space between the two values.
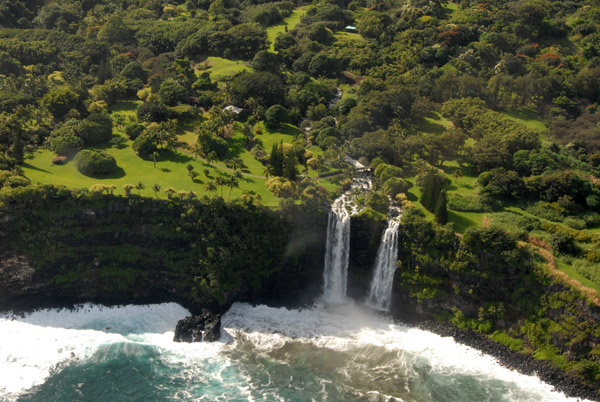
[117, 174]
[29, 166]
[430, 126]
[460, 222]
[236, 147]
[176, 157]
[125, 106]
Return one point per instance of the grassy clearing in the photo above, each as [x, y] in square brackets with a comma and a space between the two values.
[527, 117]
[290, 21]
[573, 274]
[348, 36]
[170, 170]
[218, 67]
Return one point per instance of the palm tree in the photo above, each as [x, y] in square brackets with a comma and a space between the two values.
[232, 183]
[169, 191]
[197, 149]
[156, 189]
[237, 162]
[127, 188]
[211, 187]
[139, 187]
[211, 157]
[220, 182]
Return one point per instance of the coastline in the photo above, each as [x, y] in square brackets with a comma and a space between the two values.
[513, 360]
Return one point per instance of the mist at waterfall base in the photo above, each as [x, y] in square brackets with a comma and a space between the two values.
[323, 353]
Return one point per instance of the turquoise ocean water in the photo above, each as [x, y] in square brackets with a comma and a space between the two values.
[334, 353]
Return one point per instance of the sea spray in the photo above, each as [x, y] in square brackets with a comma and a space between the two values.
[338, 352]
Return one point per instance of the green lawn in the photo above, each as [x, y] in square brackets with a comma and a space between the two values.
[290, 21]
[343, 36]
[527, 117]
[170, 170]
[570, 271]
[218, 67]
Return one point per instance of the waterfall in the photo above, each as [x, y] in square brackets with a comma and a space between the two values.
[337, 252]
[380, 293]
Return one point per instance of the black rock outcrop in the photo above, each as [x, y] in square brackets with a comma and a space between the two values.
[205, 327]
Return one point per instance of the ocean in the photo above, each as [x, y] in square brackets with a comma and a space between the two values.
[323, 353]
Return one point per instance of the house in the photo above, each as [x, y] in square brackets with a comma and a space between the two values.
[233, 109]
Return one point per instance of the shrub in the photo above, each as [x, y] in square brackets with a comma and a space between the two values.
[133, 130]
[378, 202]
[144, 146]
[467, 203]
[66, 144]
[90, 162]
[395, 185]
[563, 243]
[94, 133]
[59, 160]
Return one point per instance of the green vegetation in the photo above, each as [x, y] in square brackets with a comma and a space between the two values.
[480, 118]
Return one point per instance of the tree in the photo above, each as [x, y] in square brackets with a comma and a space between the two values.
[152, 111]
[232, 183]
[211, 187]
[140, 186]
[154, 158]
[441, 212]
[90, 162]
[127, 188]
[237, 163]
[266, 61]
[265, 87]
[289, 171]
[169, 191]
[276, 160]
[220, 182]
[156, 188]
[59, 100]
[276, 115]
[172, 92]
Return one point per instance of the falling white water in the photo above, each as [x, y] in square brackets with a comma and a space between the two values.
[380, 294]
[337, 252]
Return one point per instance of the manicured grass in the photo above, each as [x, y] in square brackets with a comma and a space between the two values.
[464, 220]
[290, 21]
[170, 170]
[219, 67]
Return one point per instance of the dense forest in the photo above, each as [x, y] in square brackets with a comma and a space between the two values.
[481, 118]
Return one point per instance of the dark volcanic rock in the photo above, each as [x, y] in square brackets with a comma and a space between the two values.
[205, 327]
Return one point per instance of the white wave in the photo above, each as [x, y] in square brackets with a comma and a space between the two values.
[40, 343]
[347, 327]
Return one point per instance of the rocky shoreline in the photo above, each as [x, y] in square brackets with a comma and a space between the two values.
[206, 325]
[513, 360]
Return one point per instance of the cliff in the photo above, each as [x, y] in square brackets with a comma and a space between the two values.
[60, 247]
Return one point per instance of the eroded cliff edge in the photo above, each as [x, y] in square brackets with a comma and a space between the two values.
[60, 247]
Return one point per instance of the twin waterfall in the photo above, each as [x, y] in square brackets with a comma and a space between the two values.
[337, 253]
[380, 293]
